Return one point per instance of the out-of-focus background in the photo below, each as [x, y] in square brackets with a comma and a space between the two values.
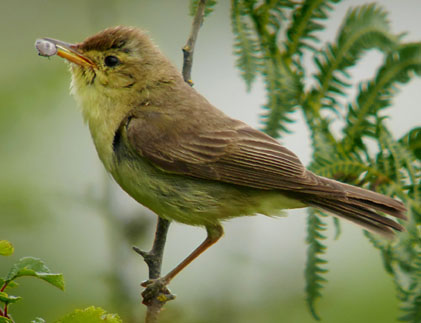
[57, 203]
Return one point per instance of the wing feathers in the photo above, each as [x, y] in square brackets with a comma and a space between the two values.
[237, 154]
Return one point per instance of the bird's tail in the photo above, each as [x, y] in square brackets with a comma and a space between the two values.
[361, 206]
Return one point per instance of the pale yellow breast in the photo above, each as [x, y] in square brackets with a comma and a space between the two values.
[103, 112]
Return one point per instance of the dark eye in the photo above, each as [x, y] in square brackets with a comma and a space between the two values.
[111, 61]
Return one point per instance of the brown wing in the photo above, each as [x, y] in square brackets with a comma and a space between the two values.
[233, 153]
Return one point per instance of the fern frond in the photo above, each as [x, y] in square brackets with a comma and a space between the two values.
[413, 141]
[403, 258]
[405, 168]
[246, 47]
[412, 302]
[283, 88]
[315, 263]
[271, 13]
[305, 22]
[282, 83]
[395, 170]
[365, 27]
[376, 94]
[412, 296]
[413, 310]
[348, 170]
[323, 142]
[399, 160]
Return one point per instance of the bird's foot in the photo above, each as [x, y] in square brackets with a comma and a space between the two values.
[156, 291]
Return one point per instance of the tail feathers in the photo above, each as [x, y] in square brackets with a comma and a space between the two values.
[364, 217]
[375, 200]
[360, 206]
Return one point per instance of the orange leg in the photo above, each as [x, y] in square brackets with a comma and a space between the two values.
[156, 288]
[214, 234]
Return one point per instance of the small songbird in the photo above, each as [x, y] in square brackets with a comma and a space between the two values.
[184, 159]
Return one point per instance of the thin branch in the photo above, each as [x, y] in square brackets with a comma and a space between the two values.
[188, 49]
[156, 297]
[153, 258]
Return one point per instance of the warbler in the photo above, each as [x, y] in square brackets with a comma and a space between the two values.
[181, 157]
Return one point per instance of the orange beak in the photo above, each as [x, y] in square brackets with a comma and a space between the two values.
[67, 51]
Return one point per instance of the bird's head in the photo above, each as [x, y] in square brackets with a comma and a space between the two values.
[114, 62]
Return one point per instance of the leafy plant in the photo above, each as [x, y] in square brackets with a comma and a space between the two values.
[30, 266]
[393, 168]
[91, 314]
[27, 266]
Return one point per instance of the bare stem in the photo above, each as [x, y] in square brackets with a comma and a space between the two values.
[153, 259]
[188, 49]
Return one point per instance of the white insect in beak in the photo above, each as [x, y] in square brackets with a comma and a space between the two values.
[45, 48]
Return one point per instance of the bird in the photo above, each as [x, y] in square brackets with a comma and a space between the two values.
[184, 159]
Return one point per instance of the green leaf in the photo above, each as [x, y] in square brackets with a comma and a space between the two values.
[35, 267]
[10, 284]
[6, 248]
[90, 315]
[9, 299]
[5, 320]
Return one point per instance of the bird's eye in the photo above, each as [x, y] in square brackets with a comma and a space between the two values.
[111, 61]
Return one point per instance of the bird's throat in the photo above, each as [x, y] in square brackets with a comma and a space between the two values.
[103, 116]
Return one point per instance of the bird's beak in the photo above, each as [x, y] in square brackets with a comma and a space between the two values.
[70, 52]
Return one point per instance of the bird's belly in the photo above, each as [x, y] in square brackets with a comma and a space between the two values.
[194, 201]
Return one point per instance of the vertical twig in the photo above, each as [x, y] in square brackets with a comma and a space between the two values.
[156, 299]
[188, 49]
[153, 259]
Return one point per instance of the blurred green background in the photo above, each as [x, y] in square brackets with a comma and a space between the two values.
[57, 203]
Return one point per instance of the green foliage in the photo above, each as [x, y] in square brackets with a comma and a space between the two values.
[314, 268]
[27, 266]
[282, 88]
[256, 27]
[245, 45]
[412, 140]
[364, 28]
[376, 95]
[8, 299]
[90, 315]
[393, 168]
[304, 23]
[403, 258]
[6, 248]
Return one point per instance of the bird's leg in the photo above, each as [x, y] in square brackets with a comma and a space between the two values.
[155, 287]
[214, 234]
